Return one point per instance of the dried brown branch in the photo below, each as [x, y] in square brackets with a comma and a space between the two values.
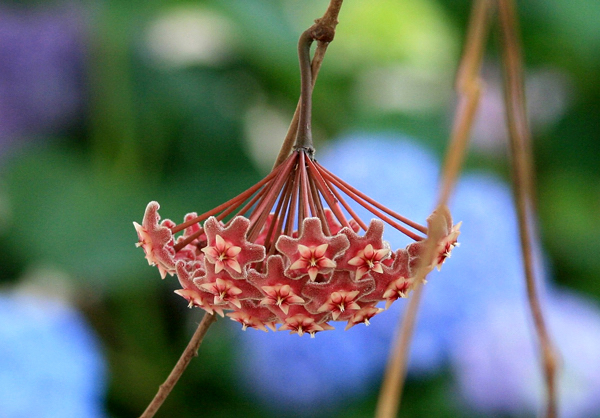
[520, 149]
[189, 353]
[322, 31]
[468, 86]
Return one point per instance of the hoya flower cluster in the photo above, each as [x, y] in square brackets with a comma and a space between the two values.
[290, 253]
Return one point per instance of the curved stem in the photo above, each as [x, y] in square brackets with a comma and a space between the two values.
[304, 136]
[323, 33]
[190, 352]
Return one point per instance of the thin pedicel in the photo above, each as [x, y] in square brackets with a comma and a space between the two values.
[291, 221]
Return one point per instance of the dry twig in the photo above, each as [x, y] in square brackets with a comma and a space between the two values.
[520, 150]
[188, 354]
[469, 86]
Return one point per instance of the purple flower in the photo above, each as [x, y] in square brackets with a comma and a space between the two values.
[41, 68]
[496, 359]
[307, 374]
[50, 361]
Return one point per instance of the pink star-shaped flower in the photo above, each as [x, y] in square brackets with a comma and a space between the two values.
[395, 270]
[442, 221]
[224, 291]
[339, 302]
[341, 282]
[313, 260]
[446, 245]
[222, 254]
[253, 316]
[313, 252]
[191, 292]
[301, 324]
[279, 290]
[244, 289]
[281, 296]
[228, 249]
[247, 320]
[368, 259]
[156, 240]
[366, 253]
[363, 315]
[397, 289]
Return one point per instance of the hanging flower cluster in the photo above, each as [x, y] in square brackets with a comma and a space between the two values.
[291, 252]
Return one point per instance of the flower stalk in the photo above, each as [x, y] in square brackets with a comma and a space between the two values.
[304, 136]
[323, 31]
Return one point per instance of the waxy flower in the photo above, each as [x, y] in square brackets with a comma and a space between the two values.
[299, 324]
[313, 251]
[368, 259]
[223, 254]
[339, 302]
[313, 260]
[156, 240]
[280, 295]
[289, 251]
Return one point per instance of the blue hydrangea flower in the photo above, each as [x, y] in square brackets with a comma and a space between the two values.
[307, 374]
[496, 359]
[50, 362]
[486, 267]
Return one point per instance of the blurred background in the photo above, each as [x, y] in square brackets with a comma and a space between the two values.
[106, 105]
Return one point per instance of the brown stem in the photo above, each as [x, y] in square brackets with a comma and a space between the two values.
[390, 394]
[319, 205]
[190, 352]
[391, 390]
[323, 32]
[304, 136]
[278, 216]
[468, 86]
[356, 196]
[343, 202]
[520, 143]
